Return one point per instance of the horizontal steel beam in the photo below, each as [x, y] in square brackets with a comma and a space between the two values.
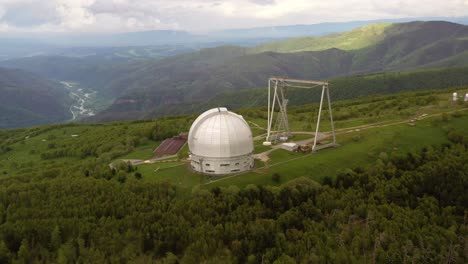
[281, 79]
[302, 87]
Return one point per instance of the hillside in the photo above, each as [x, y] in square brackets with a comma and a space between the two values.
[149, 87]
[27, 99]
[393, 191]
[91, 71]
[413, 45]
[350, 40]
[383, 37]
[341, 88]
[196, 77]
[349, 87]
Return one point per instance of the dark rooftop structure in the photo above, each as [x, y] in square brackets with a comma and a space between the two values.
[171, 146]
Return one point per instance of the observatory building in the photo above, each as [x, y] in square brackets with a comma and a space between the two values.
[220, 142]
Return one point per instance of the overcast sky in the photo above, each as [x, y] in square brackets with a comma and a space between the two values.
[205, 15]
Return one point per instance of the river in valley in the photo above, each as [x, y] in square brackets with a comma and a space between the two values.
[83, 100]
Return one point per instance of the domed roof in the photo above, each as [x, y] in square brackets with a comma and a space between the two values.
[220, 133]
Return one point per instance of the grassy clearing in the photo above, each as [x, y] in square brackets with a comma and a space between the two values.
[177, 173]
[142, 152]
[358, 149]
[259, 148]
[27, 153]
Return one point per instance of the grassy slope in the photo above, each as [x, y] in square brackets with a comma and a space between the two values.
[351, 154]
[355, 39]
[358, 148]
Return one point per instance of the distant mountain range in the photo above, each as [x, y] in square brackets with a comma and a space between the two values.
[320, 29]
[27, 99]
[146, 87]
[13, 46]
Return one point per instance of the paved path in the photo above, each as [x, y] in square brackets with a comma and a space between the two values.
[257, 126]
[264, 155]
[294, 133]
[153, 160]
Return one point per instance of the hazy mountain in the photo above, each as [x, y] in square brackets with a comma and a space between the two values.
[28, 99]
[320, 29]
[66, 44]
[22, 47]
[294, 31]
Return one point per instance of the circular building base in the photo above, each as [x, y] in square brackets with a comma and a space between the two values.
[221, 166]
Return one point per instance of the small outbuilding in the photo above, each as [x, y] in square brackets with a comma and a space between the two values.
[289, 146]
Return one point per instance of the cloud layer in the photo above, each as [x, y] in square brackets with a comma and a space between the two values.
[204, 15]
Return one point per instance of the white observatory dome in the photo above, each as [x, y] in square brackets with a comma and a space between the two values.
[220, 142]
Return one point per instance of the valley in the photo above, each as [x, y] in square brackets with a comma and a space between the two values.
[83, 100]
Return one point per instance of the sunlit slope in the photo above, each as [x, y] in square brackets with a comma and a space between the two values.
[351, 40]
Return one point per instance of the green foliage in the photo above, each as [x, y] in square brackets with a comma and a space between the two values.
[138, 175]
[276, 177]
[384, 205]
[55, 238]
[410, 207]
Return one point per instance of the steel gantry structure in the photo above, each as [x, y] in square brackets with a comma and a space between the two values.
[277, 97]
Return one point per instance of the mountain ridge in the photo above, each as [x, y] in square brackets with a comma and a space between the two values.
[28, 99]
[191, 78]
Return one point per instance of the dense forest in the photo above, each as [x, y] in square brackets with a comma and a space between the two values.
[402, 209]
[61, 202]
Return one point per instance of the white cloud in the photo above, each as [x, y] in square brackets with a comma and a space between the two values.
[202, 15]
[74, 14]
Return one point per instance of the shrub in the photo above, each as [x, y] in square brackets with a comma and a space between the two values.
[276, 177]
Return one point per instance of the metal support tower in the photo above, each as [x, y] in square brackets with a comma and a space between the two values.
[281, 127]
[279, 98]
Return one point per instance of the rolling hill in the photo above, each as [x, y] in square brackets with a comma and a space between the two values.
[350, 40]
[143, 86]
[200, 76]
[342, 88]
[27, 99]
